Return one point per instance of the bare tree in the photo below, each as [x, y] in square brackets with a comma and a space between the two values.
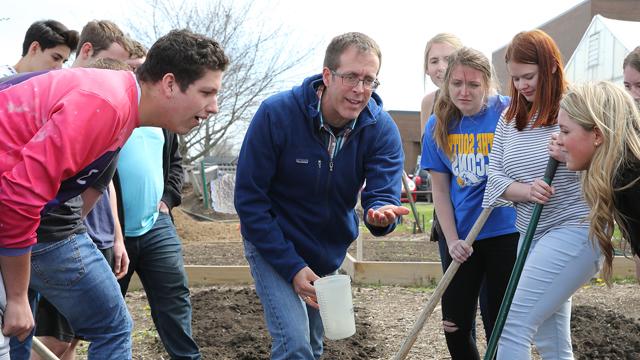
[260, 57]
[223, 149]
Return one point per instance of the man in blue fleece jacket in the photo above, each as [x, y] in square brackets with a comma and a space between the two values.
[304, 160]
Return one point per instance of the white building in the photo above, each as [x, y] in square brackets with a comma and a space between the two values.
[601, 51]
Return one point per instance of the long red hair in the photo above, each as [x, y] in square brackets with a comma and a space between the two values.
[536, 47]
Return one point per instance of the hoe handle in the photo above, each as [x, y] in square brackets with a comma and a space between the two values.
[442, 286]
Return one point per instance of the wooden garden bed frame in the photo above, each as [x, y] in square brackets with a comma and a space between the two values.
[361, 272]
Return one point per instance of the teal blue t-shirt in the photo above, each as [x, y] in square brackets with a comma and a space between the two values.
[471, 140]
[141, 179]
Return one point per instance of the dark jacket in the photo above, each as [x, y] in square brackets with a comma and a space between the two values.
[172, 172]
[296, 204]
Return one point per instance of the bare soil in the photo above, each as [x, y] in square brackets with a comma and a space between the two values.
[228, 322]
[220, 243]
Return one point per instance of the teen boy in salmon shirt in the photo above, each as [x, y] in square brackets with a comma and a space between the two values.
[60, 129]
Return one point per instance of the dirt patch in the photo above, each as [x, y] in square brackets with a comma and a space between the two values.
[209, 242]
[220, 243]
[230, 252]
[228, 324]
[220, 253]
[397, 248]
[604, 334]
[192, 231]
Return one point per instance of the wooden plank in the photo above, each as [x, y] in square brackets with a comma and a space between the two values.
[398, 273]
[348, 266]
[428, 273]
[362, 272]
[391, 273]
[623, 267]
[201, 275]
[195, 182]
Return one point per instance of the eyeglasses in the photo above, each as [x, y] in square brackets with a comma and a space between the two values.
[352, 80]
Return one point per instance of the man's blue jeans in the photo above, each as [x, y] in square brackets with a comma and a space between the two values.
[295, 328]
[75, 277]
[157, 258]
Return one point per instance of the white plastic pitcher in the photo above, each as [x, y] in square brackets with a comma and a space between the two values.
[336, 306]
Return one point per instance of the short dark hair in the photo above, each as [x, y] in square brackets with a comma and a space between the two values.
[341, 43]
[101, 34]
[184, 54]
[49, 34]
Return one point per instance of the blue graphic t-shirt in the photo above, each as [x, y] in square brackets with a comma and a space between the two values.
[471, 140]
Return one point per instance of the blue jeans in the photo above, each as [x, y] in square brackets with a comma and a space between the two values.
[74, 276]
[157, 258]
[295, 328]
[558, 263]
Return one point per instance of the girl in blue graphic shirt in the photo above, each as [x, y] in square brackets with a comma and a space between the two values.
[458, 140]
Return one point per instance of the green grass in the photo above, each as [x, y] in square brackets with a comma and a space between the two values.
[423, 288]
[425, 214]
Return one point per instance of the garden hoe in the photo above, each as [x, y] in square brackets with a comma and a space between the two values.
[37, 346]
[42, 350]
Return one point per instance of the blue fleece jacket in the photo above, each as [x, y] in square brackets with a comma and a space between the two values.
[296, 205]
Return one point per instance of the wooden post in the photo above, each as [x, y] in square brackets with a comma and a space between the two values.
[410, 198]
[205, 191]
[359, 248]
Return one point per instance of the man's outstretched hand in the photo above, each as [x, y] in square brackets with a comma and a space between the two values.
[385, 215]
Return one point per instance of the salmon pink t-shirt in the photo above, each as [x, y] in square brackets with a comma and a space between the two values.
[58, 132]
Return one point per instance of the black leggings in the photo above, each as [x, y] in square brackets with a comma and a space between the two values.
[492, 260]
[436, 235]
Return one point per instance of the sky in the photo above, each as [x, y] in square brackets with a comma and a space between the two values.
[401, 28]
